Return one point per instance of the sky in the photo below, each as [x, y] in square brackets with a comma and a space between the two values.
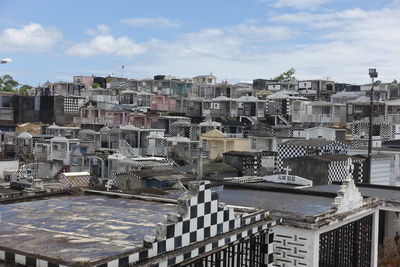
[236, 40]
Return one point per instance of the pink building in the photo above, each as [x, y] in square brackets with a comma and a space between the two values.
[162, 103]
[86, 80]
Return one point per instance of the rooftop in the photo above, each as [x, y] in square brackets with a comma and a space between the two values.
[79, 228]
[242, 153]
[380, 191]
[332, 158]
[302, 142]
[278, 202]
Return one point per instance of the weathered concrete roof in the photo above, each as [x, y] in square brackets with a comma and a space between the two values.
[381, 191]
[302, 142]
[80, 228]
[214, 133]
[277, 201]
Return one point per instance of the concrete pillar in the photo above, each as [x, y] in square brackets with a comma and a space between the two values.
[90, 165]
[103, 166]
[138, 140]
[375, 239]
[51, 150]
[68, 154]
[200, 162]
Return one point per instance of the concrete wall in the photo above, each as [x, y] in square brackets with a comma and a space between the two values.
[309, 168]
[320, 133]
[295, 247]
[381, 171]
[8, 165]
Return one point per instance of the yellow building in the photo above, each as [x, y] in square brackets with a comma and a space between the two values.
[215, 143]
[33, 128]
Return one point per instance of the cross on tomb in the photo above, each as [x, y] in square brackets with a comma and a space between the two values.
[108, 185]
[287, 169]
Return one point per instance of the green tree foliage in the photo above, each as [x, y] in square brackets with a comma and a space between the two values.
[95, 85]
[288, 75]
[7, 83]
[24, 89]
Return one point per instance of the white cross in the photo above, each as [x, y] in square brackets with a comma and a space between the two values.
[108, 185]
[287, 169]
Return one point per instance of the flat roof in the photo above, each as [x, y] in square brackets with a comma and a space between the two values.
[284, 203]
[80, 228]
[380, 191]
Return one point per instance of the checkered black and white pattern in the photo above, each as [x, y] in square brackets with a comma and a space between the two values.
[199, 217]
[80, 181]
[338, 171]
[18, 258]
[72, 104]
[360, 131]
[293, 151]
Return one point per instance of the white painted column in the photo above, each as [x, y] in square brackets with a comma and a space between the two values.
[375, 239]
[315, 260]
[103, 166]
[68, 154]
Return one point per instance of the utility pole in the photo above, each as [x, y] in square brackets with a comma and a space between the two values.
[200, 162]
[373, 74]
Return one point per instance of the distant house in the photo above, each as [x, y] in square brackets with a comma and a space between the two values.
[215, 143]
[359, 109]
[329, 134]
[319, 113]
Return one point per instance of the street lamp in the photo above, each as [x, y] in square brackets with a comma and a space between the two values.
[373, 74]
[5, 60]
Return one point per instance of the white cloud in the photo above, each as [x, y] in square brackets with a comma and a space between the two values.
[107, 45]
[297, 4]
[272, 33]
[100, 29]
[30, 38]
[341, 45]
[158, 22]
[229, 42]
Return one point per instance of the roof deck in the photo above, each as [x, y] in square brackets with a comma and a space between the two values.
[85, 228]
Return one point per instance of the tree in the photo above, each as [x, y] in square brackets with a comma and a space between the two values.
[7, 83]
[24, 89]
[288, 75]
[95, 85]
